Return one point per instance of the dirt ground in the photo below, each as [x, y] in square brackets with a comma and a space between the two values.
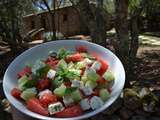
[147, 66]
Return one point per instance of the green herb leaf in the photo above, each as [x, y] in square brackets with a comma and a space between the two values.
[70, 90]
[62, 53]
[43, 71]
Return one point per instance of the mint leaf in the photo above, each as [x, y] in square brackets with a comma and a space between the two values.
[70, 90]
[42, 72]
[62, 53]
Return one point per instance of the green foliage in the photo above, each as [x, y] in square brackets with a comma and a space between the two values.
[109, 6]
[11, 13]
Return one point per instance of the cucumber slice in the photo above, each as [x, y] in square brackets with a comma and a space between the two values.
[62, 64]
[76, 95]
[85, 55]
[92, 75]
[84, 78]
[96, 65]
[60, 92]
[104, 94]
[80, 65]
[28, 93]
[22, 82]
[71, 65]
[108, 75]
[91, 84]
[57, 81]
[100, 86]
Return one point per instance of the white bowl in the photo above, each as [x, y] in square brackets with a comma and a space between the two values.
[41, 51]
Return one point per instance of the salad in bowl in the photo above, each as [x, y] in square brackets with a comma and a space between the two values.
[64, 80]
[65, 84]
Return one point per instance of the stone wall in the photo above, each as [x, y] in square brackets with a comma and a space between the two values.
[67, 20]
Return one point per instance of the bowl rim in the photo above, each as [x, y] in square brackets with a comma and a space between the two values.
[87, 115]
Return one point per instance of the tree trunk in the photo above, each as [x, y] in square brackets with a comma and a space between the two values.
[53, 20]
[52, 14]
[134, 30]
[121, 26]
[134, 44]
[95, 21]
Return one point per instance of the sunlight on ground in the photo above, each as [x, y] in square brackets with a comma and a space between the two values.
[149, 40]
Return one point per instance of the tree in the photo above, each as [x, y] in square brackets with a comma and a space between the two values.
[50, 6]
[96, 18]
[10, 22]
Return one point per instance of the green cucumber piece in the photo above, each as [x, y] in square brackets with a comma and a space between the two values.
[71, 65]
[100, 86]
[84, 78]
[70, 90]
[28, 93]
[80, 65]
[57, 81]
[76, 95]
[108, 75]
[62, 64]
[60, 92]
[22, 82]
[92, 75]
[104, 94]
[73, 74]
[91, 84]
[85, 55]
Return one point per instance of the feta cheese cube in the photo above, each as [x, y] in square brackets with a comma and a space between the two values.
[51, 74]
[85, 104]
[87, 61]
[87, 90]
[47, 91]
[77, 83]
[96, 102]
[55, 108]
[68, 100]
[96, 65]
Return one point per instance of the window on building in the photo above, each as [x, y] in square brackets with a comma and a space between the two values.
[65, 17]
[32, 24]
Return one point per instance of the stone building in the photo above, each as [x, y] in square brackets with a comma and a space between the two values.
[67, 21]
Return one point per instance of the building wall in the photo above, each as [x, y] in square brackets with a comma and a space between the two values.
[67, 21]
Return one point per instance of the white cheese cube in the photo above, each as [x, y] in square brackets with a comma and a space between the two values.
[47, 91]
[96, 102]
[77, 83]
[85, 104]
[87, 61]
[87, 90]
[51, 74]
[68, 100]
[96, 65]
[55, 108]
